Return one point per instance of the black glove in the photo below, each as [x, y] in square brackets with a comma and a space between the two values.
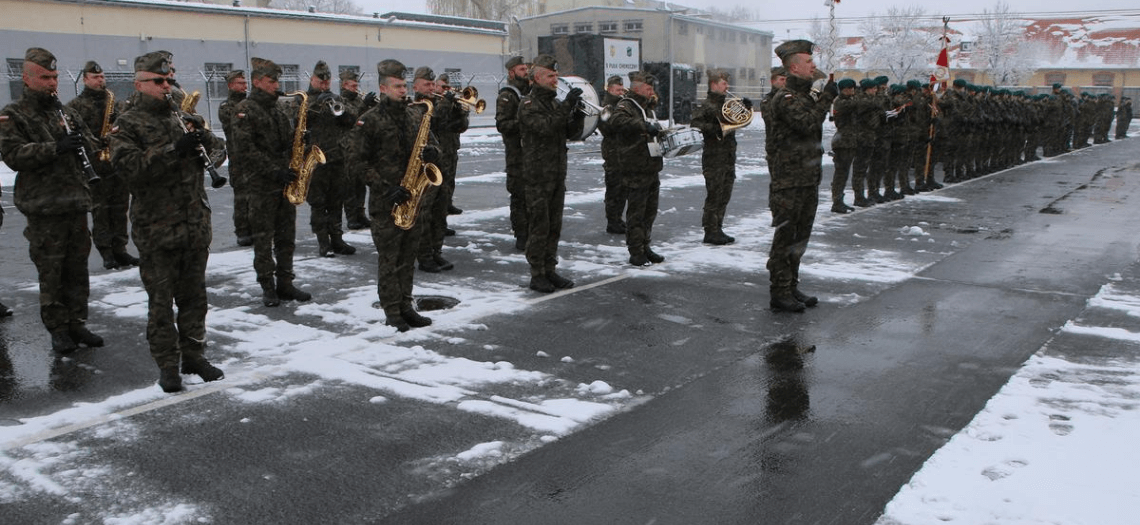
[284, 176]
[747, 102]
[831, 88]
[370, 100]
[195, 121]
[449, 95]
[68, 143]
[652, 128]
[187, 144]
[430, 155]
[325, 96]
[396, 195]
[573, 97]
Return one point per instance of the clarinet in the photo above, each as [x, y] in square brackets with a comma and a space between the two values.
[92, 177]
[216, 180]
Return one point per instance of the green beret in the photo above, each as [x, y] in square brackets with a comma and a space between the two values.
[779, 71]
[897, 88]
[92, 67]
[515, 61]
[321, 70]
[960, 82]
[234, 75]
[913, 84]
[425, 73]
[1057, 85]
[643, 77]
[868, 83]
[264, 68]
[349, 74]
[154, 62]
[614, 80]
[546, 61]
[792, 47]
[882, 80]
[846, 83]
[391, 68]
[40, 57]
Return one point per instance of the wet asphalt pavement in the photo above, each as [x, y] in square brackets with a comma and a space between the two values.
[743, 415]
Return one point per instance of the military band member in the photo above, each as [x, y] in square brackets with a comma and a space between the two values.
[777, 78]
[506, 122]
[170, 219]
[546, 124]
[448, 121]
[718, 158]
[635, 124]
[110, 198]
[237, 85]
[1123, 117]
[443, 86]
[797, 129]
[844, 111]
[53, 194]
[380, 149]
[616, 193]
[355, 216]
[263, 143]
[326, 128]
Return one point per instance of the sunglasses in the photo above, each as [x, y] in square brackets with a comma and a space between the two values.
[158, 81]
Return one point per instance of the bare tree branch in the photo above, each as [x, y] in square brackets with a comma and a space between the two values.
[344, 7]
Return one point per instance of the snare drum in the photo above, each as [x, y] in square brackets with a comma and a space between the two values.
[682, 141]
[589, 94]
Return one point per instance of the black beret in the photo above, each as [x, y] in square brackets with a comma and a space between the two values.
[846, 83]
[92, 67]
[516, 60]
[792, 47]
[321, 70]
[392, 68]
[40, 57]
[425, 73]
[154, 62]
[234, 75]
[263, 67]
[546, 61]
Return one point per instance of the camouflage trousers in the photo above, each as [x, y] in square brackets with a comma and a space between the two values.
[110, 202]
[642, 212]
[544, 202]
[325, 199]
[434, 212]
[240, 184]
[616, 193]
[59, 246]
[354, 196]
[273, 221]
[793, 214]
[718, 191]
[395, 262]
[516, 188]
[844, 158]
[175, 277]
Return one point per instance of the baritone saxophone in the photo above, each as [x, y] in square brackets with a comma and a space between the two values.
[302, 164]
[418, 175]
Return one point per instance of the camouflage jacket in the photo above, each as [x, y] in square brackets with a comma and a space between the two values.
[169, 208]
[353, 103]
[448, 121]
[870, 119]
[325, 128]
[92, 106]
[845, 111]
[262, 140]
[507, 116]
[718, 149]
[766, 114]
[546, 124]
[608, 141]
[46, 183]
[226, 115]
[797, 132]
[628, 122]
[380, 146]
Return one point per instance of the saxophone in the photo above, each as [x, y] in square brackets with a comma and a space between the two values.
[104, 154]
[418, 175]
[301, 164]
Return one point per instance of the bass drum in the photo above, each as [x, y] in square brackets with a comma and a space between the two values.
[565, 84]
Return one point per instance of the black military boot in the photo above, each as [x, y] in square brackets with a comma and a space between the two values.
[615, 227]
[245, 240]
[397, 322]
[269, 294]
[324, 245]
[286, 291]
[339, 246]
[443, 264]
[559, 281]
[169, 379]
[714, 238]
[892, 195]
[905, 188]
[520, 243]
[452, 210]
[109, 261]
[862, 201]
[540, 283]
[61, 342]
[727, 238]
[808, 300]
[784, 301]
[359, 223]
[203, 369]
[639, 260]
[653, 256]
[428, 264]
[5, 311]
[839, 207]
[81, 335]
[125, 259]
[414, 319]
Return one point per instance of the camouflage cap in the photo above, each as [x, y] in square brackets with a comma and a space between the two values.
[263, 67]
[846, 83]
[40, 57]
[234, 75]
[716, 75]
[792, 47]
[779, 71]
[546, 61]
[391, 68]
[425, 73]
[349, 74]
[515, 61]
[643, 77]
[443, 78]
[92, 67]
[614, 80]
[155, 62]
[321, 70]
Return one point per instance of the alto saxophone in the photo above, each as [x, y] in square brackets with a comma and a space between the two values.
[418, 175]
[301, 164]
[104, 154]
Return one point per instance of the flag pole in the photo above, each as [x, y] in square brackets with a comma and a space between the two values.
[943, 62]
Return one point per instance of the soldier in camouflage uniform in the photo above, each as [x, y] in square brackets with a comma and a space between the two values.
[1084, 123]
[867, 124]
[263, 143]
[356, 191]
[718, 158]
[545, 125]
[448, 121]
[951, 137]
[170, 220]
[616, 193]
[4, 310]
[844, 112]
[1104, 116]
[507, 123]
[380, 148]
[778, 78]
[635, 126]
[1123, 117]
[53, 193]
[110, 198]
[239, 181]
[797, 128]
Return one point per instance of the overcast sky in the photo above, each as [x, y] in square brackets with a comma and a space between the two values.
[815, 8]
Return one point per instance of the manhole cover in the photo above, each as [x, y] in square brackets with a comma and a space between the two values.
[431, 303]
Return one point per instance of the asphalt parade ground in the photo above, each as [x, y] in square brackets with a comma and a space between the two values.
[666, 395]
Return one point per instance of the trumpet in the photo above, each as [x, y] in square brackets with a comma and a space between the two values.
[469, 99]
[733, 114]
[585, 106]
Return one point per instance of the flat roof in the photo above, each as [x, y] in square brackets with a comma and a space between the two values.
[676, 13]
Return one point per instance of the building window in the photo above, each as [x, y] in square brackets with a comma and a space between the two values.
[751, 73]
[700, 30]
[682, 28]
[965, 46]
[216, 79]
[633, 26]
[1104, 79]
[15, 69]
[584, 27]
[1053, 78]
[607, 27]
[290, 78]
[559, 29]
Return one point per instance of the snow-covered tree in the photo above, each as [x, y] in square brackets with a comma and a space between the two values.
[903, 42]
[344, 7]
[828, 44]
[484, 9]
[1002, 51]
